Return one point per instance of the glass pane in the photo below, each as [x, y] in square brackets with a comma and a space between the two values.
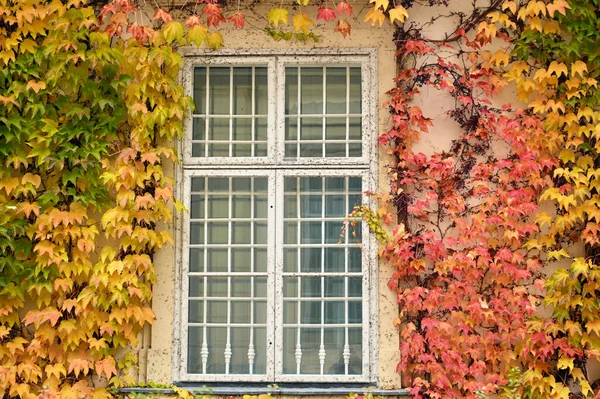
[289, 349]
[335, 129]
[218, 206]
[198, 184]
[290, 233]
[290, 206]
[217, 233]
[310, 260]
[242, 90]
[355, 91]
[260, 287]
[311, 92]
[216, 339]
[260, 184]
[240, 340]
[240, 260]
[291, 129]
[200, 90]
[241, 184]
[334, 287]
[240, 312]
[311, 150]
[240, 287]
[199, 129]
[336, 90]
[260, 347]
[311, 287]
[260, 260]
[310, 339]
[333, 231]
[355, 337]
[311, 184]
[218, 150]
[335, 206]
[260, 129]
[354, 287]
[197, 233]
[333, 340]
[260, 312]
[334, 260]
[335, 312]
[198, 150]
[291, 90]
[218, 129]
[337, 150]
[218, 184]
[194, 365]
[241, 206]
[216, 312]
[216, 286]
[290, 312]
[354, 260]
[311, 313]
[260, 233]
[311, 206]
[197, 207]
[355, 129]
[311, 129]
[196, 286]
[216, 260]
[290, 260]
[242, 150]
[354, 312]
[310, 233]
[241, 232]
[355, 149]
[260, 81]
[290, 287]
[196, 261]
[242, 129]
[219, 90]
[260, 205]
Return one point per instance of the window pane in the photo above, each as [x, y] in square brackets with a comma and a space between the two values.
[291, 90]
[311, 91]
[323, 306]
[200, 90]
[355, 91]
[242, 90]
[227, 306]
[219, 90]
[261, 90]
[336, 90]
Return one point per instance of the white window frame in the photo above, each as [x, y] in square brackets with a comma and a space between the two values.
[275, 167]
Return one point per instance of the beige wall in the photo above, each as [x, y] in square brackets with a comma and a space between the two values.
[158, 344]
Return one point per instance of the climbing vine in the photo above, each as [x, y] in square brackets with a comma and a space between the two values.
[91, 104]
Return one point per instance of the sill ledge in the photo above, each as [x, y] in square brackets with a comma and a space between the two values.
[240, 390]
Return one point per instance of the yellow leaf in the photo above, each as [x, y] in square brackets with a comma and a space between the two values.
[375, 15]
[277, 16]
[197, 35]
[36, 180]
[511, 5]
[302, 23]
[36, 86]
[384, 4]
[215, 40]
[579, 67]
[398, 13]
[558, 69]
[302, 2]
[500, 57]
[565, 362]
[557, 5]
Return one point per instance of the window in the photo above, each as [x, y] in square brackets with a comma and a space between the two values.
[276, 154]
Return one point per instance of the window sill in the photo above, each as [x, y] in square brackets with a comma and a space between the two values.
[251, 389]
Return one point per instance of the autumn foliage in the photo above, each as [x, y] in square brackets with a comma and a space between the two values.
[91, 104]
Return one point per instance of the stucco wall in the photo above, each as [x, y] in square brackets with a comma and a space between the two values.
[157, 348]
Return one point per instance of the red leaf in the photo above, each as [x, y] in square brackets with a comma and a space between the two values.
[343, 27]
[344, 6]
[238, 20]
[327, 14]
[193, 20]
[214, 15]
[162, 14]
